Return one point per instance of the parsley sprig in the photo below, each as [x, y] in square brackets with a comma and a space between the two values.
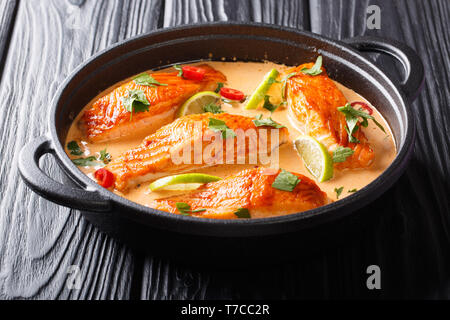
[285, 181]
[136, 101]
[144, 79]
[213, 108]
[242, 213]
[74, 148]
[338, 191]
[259, 122]
[270, 106]
[102, 158]
[315, 69]
[341, 154]
[185, 209]
[220, 126]
[353, 117]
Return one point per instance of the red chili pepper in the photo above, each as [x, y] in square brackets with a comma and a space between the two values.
[193, 73]
[363, 105]
[104, 177]
[232, 94]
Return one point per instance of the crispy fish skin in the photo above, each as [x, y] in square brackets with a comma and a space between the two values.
[108, 119]
[251, 189]
[159, 154]
[313, 103]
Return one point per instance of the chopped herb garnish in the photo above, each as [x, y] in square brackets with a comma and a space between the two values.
[213, 108]
[259, 122]
[219, 86]
[136, 101]
[352, 116]
[179, 69]
[87, 162]
[338, 191]
[219, 125]
[185, 209]
[341, 154]
[316, 68]
[104, 156]
[284, 81]
[242, 213]
[285, 181]
[74, 148]
[144, 79]
[353, 190]
[270, 106]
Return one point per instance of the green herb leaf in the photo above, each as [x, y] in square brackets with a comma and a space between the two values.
[87, 162]
[353, 190]
[185, 209]
[219, 86]
[284, 81]
[213, 108]
[179, 69]
[242, 213]
[285, 181]
[144, 79]
[136, 101]
[341, 154]
[74, 148]
[259, 122]
[104, 156]
[316, 68]
[268, 105]
[352, 116]
[219, 125]
[338, 191]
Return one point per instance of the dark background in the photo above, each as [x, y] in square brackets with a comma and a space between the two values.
[42, 41]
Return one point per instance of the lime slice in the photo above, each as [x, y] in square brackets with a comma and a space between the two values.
[316, 157]
[186, 181]
[262, 89]
[196, 103]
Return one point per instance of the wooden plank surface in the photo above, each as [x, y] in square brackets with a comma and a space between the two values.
[40, 240]
[7, 15]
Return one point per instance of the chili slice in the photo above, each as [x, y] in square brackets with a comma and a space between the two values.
[193, 73]
[232, 94]
[104, 177]
[363, 105]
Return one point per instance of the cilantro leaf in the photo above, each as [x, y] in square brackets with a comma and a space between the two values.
[219, 125]
[136, 101]
[213, 108]
[87, 162]
[353, 190]
[316, 68]
[219, 86]
[185, 209]
[268, 105]
[338, 191]
[144, 79]
[104, 156]
[74, 148]
[284, 81]
[285, 181]
[242, 213]
[341, 154]
[179, 69]
[266, 122]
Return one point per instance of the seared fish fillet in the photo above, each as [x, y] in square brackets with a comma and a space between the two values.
[188, 143]
[251, 189]
[313, 103]
[108, 119]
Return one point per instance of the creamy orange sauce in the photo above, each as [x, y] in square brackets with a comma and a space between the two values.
[246, 76]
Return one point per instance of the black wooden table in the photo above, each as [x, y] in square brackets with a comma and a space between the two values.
[42, 41]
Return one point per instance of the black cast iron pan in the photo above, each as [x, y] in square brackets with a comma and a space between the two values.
[199, 240]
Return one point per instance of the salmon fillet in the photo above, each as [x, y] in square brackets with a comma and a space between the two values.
[188, 143]
[108, 119]
[313, 103]
[251, 189]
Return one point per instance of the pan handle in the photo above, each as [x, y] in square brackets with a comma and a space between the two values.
[52, 190]
[415, 76]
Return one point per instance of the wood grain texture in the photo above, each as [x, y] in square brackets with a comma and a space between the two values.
[421, 267]
[7, 15]
[40, 240]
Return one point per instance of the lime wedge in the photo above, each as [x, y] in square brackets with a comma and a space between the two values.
[196, 103]
[315, 157]
[262, 89]
[186, 181]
